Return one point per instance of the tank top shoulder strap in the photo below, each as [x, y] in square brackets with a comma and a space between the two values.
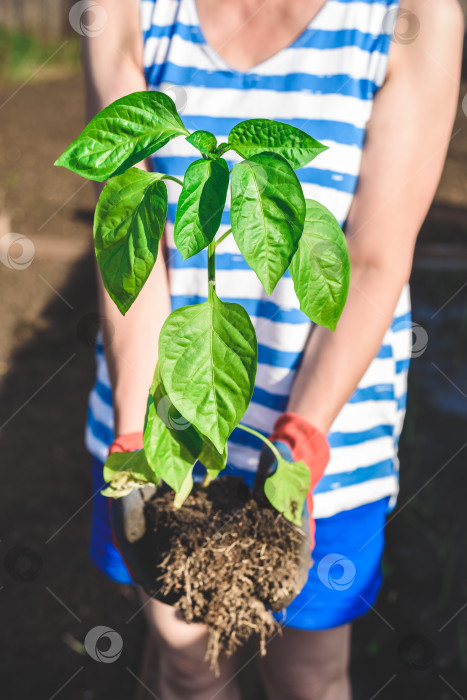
[367, 25]
[163, 14]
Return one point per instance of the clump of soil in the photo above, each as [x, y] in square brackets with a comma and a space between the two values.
[224, 560]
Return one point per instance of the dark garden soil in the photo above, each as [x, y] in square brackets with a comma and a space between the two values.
[413, 644]
[225, 561]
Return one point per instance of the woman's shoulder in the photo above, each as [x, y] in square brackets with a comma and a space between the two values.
[448, 12]
[426, 34]
[438, 16]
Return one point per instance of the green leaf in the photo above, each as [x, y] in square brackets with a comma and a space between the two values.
[204, 141]
[126, 471]
[185, 490]
[134, 462]
[123, 134]
[267, 215]
[257, 135]
[200, 206]
[122, 486]
[171, 443]
[320, 268]
[213, 460]
[287, 488]
[222, 148]
[128, 224]
[208, 354]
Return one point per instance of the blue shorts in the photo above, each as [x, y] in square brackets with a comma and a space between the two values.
[342, 583]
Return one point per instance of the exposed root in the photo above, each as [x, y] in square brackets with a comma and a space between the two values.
[227, 559]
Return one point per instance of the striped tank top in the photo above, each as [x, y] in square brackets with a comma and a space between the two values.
[323, 83]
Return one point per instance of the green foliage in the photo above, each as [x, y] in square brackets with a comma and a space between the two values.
[123, 134]
[320, 268]
[267, 215]
[126, 471]
[287, 489]
[207, 352]
[288, 486]
[171, 444]
[128, 225]
[257, 135]
[204, 141]
[200, 206]
[213, 460]
[222, 148]
[28, 58]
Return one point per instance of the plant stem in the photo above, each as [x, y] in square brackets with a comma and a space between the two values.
[211, 267]
[223, 237]
[184, 492]
[175, 179]
[272, 447]
[206, 481]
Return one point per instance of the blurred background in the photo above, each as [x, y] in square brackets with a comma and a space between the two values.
[414, 643]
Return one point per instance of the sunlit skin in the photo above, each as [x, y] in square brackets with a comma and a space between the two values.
[403, 156]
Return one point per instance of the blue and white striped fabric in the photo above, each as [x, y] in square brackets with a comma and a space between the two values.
[323, 83]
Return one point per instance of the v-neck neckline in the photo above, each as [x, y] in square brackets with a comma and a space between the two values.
[217, 58]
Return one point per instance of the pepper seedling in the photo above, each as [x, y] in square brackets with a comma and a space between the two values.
[204, 379]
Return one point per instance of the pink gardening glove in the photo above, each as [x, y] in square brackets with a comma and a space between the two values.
[127, 443]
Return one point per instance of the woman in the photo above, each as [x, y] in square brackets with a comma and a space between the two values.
[385, 108]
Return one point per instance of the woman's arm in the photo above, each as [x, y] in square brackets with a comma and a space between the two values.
[113, 67]
[405, 148]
